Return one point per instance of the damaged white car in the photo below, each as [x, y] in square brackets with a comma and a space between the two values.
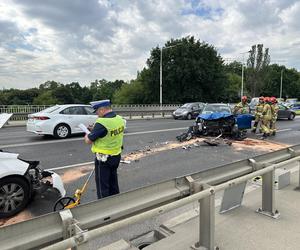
[20, 180]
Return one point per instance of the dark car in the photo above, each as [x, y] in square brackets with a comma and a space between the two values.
[188, 110]
[285, 112]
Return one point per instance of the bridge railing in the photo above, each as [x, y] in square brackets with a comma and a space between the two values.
[74, 228]
[21, 112]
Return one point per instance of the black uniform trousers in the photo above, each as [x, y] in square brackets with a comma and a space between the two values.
[106, 176]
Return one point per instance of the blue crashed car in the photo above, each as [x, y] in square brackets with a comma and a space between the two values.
[224, 123]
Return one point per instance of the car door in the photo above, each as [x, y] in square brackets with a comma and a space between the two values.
[73, 116]
[282, 112]
[195, 110]
[91, 116]
[296, 108]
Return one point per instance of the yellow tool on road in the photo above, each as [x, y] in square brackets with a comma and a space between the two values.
[70, 202]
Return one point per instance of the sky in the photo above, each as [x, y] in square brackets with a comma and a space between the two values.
[83, 40]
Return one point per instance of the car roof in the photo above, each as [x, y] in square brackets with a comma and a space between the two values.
[192, 103]
[218, 104]
[71, 105]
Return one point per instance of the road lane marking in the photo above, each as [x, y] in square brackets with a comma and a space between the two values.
[71, 166]
[279, 131]
[81, 138]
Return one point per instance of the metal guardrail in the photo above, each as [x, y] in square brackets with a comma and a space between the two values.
[68, 228]
[21, 112]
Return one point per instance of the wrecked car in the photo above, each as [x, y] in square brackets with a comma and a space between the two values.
[219, 124]
[226, 124]
[20, 180]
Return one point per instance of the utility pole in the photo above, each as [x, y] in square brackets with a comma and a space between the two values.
[280, 95]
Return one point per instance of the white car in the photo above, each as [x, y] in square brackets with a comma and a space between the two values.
[20, 180]
[61, 120]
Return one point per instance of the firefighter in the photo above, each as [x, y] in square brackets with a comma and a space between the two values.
[266, 118]
[274, 108]
[242, 107]
[258, 113]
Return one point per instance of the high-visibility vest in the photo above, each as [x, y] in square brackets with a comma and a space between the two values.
[267, 112]
[112, 143]
[241, 108]
[259, 109]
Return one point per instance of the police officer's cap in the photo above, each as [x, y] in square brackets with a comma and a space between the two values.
[99, 104]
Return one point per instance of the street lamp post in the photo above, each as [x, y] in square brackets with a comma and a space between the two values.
[280, 95]
[160, 74]
[242, 87]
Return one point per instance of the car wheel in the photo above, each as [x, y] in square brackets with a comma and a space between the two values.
[292, 116]
[189, 116]
[14, 196]
[62, 131]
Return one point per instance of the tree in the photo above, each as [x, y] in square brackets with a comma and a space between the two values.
[104, 89]
[129, 93]
[232, 92]
[233, 67]
[192, 71]
[257, 65]
[49, 85]
[62, 95]
[45, 98]
[290, 82]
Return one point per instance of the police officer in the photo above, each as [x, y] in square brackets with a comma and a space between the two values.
[274, 108]
[242, 107]
[258, 113]
[266, 118]
[106, 138]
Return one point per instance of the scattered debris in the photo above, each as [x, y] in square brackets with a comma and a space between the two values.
[76, 173]
[212, 142]
[259, 145]
[186, 147]
[125, 162]
[22, 216]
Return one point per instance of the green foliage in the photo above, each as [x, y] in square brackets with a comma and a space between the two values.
[232, 92]
[290, 82]
[129, 93]
[233, 67]
[257, 67]
[104, 89]
[45, 98]
[192, 71]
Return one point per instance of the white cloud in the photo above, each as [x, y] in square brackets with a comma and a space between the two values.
[77, 40]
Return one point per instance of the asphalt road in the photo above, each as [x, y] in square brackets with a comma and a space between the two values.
[140, 134]
[54, 153]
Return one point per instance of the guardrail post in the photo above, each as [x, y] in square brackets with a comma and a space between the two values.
[298, 187]
[71, 228]
[206, 224]
[268, 196]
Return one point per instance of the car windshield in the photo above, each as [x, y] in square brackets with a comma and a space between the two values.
[51, 109]
[185, 106]
[216, 108]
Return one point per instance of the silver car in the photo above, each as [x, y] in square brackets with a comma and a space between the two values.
[188, 111]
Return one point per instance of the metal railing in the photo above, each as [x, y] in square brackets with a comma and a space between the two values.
[21, 112]
[70, 228]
